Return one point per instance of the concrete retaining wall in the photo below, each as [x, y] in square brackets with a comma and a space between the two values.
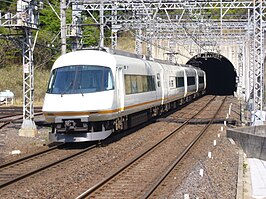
[252, 140]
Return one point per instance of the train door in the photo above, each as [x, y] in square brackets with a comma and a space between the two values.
[165, 83]
[155, 70]
[185, 82]
[197, 80]
[160, 84]
[120, 91]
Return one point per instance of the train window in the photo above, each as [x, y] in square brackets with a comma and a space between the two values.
[151, 84]
[172, 83]
[201, 79]
[128, 84]
[80, 79]
[134, 86]
[145, 83]
[138, 84]
[158, 76]
[51, 81]
[191, 81]
[179, 82]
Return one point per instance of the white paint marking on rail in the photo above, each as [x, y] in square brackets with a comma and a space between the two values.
[225, 123]
[218, 135]
[15, 152]
[201, 172]
[232, 141]
[209, 154]
[214, 142]
[229, 111]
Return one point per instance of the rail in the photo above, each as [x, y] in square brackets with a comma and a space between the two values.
[27, 168]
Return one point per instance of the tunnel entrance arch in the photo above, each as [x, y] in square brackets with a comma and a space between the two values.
[220, 73]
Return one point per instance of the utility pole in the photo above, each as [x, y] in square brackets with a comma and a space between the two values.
[74, 31]
[101, 44]
[28, 14]
[63, 25]
[26, 19]
[258, 56]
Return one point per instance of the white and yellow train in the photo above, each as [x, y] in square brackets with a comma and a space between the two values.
[93, 93]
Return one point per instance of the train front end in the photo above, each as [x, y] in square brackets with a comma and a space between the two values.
[80, 99]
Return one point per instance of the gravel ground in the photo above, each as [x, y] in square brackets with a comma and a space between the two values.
[21, 146]
[219, 176]
[68, 181]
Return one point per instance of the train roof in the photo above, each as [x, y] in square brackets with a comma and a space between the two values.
[132, 55]
[104, 57]
[94, 57]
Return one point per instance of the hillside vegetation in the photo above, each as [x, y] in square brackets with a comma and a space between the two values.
[12, 79]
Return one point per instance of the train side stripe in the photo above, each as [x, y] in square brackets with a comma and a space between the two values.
[97, 112]
[104, 111]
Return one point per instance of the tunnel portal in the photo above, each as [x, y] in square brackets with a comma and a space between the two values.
[220, 73]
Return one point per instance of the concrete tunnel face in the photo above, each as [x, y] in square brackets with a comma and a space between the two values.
[220, 73]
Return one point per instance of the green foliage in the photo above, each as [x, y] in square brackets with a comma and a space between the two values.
[91, 33]
[45, 52]
[48, 46]
[4, 5]
[9, 52]
[49, 21]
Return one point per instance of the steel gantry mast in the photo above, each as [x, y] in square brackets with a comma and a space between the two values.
[259, 53]
[26, 19]
[196, 27]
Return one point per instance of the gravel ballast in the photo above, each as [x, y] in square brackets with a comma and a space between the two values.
[68, 181]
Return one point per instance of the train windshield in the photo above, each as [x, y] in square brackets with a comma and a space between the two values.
[80, 79]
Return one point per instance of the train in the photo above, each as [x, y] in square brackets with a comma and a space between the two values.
[94, 93]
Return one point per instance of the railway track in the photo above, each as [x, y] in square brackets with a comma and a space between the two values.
[14, 110]
[22, 168]
[137, 178]
[9, 115]
[7, 119]
[14, 171]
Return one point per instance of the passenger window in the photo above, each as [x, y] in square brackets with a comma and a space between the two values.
[201, 79]
[128, 84]
[134, 87]
[191, 80]
[179, 82]
[139, 84]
